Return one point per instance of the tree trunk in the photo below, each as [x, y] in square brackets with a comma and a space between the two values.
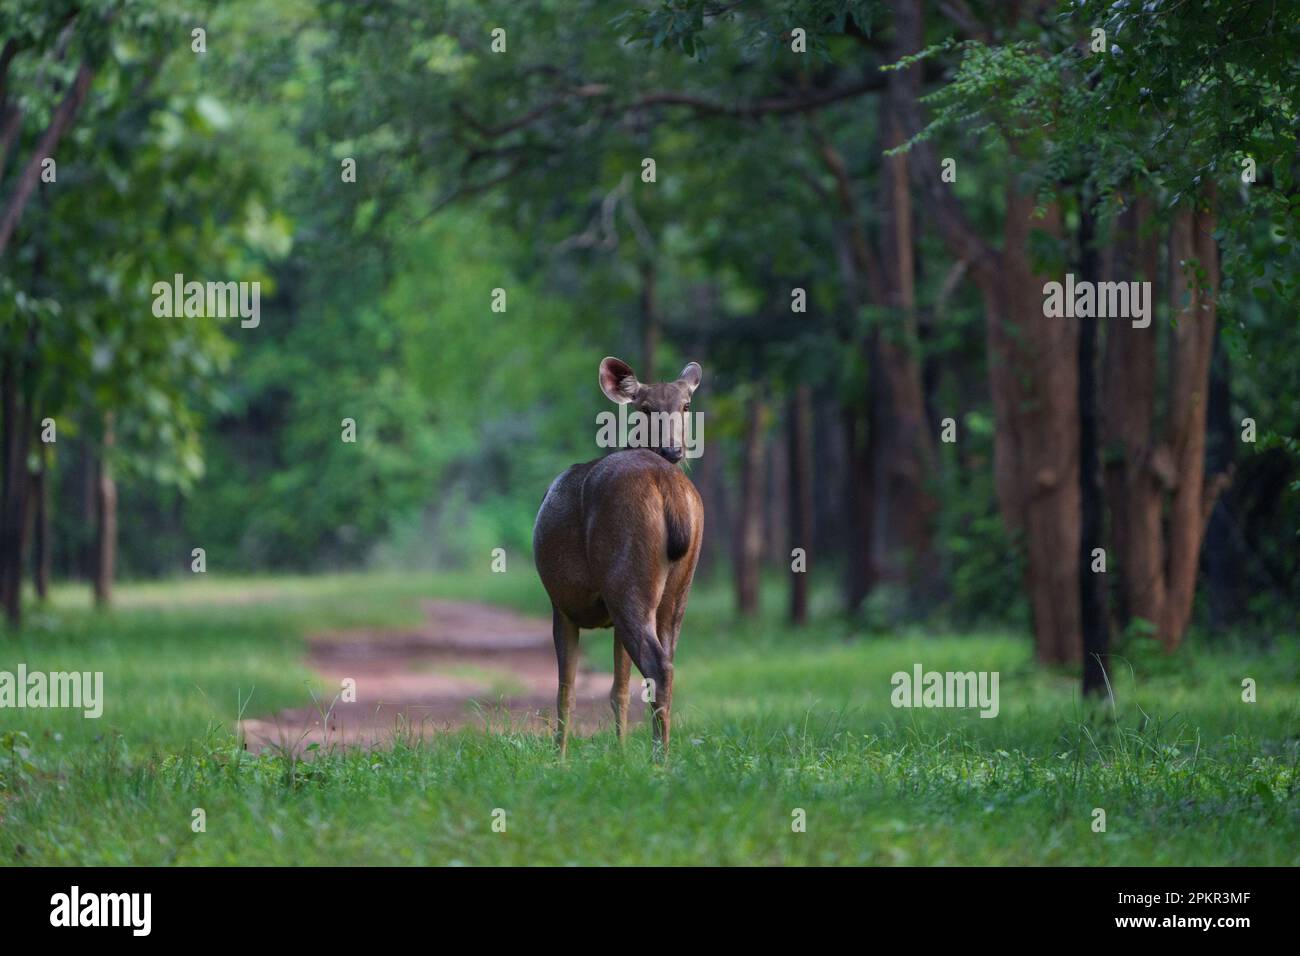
[857, 493]
[776, 505]
[41, 551]
[749, 527]
[1034, 378]
[1093, 616]
[9, 547]
[61, 119]
[860, 275]
[105, 521]
[1193, 303]
[1158, 572]
[902, 451]
[15, 419]
[1133, 486]
[8, 435]
[1224, 559]
[88, 469]
[713, 491]
[831, 518]
[1033, 381]
[801, 497]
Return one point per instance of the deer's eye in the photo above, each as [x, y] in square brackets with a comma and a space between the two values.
[686, 407]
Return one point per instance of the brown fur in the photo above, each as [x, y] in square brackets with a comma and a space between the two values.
[616, 543]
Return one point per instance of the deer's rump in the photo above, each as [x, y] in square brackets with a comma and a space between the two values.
[614, 528]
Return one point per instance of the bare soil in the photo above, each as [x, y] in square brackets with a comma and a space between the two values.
[469, 665]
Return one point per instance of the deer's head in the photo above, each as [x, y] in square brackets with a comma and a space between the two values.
[664, 403]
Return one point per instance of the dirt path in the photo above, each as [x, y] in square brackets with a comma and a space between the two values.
[469, 665]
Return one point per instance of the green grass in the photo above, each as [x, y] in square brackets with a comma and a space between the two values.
[767, 720]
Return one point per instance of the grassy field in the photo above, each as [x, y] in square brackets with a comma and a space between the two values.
[767, 721]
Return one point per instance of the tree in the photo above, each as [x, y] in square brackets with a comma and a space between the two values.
[1033, 368]
[1165, 107]
[84, 342]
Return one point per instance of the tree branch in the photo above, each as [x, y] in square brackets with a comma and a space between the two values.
[463, 190]
[533, 115]
[45, 145]
[11, 121]
[1215, 487]
[959, 234]
[960, 14]
[864, 258]
[6, 57]
[774, 105]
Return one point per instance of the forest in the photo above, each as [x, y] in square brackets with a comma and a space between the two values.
[995, 304]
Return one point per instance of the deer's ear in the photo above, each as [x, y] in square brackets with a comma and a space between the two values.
[691, 376]
[617, 380]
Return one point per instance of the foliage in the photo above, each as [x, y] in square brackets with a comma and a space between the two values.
[521, 171]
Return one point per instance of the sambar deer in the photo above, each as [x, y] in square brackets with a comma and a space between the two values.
[616, 543]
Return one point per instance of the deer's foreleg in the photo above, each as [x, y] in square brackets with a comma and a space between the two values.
[618, 693]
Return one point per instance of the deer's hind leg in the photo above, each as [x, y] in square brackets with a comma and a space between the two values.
[565, 633]
[642, 645]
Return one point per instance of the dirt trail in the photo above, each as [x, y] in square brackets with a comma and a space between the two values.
[468, 665]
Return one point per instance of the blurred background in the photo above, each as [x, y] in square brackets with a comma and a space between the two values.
[449, 210]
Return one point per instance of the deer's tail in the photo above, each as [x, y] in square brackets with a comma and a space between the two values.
[678, 525]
